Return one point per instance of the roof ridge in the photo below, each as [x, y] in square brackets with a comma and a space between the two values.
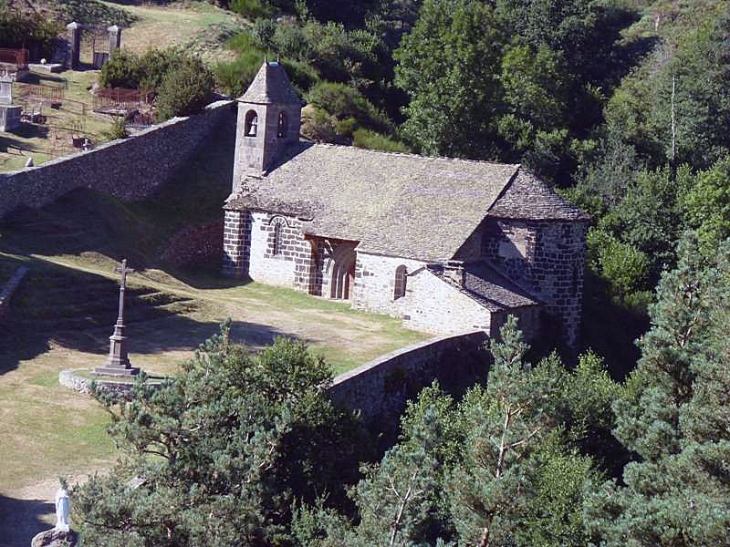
[517, 166]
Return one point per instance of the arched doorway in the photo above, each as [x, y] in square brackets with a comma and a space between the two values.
[343, 271]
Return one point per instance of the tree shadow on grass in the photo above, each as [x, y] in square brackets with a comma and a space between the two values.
[20, 520]
[57, 305]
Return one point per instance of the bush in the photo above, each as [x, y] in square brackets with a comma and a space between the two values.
[184, 90]
[235, 77]
[146, 72]
[123, 69]
[623, 266]
[118, 130]
[252, 9]
[22, 30]
[343, 101]
[364, 138]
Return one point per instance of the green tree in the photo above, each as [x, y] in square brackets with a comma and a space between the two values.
[674, 415]
[185, 90]
[449, 65]
[707, 205]
[216, 455]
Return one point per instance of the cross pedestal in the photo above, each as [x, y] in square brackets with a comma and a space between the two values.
[118, 363]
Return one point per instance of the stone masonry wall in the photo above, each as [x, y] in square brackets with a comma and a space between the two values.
[129, 169]
[546, 258]
[441, 308]
[375, 284]
[429, 305]
[236, 242]
[195, 245]
[380, 388]
[269, 267]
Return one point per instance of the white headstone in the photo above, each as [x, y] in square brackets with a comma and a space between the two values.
[63, 508]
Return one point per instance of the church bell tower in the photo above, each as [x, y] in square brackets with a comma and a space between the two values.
[269, 117]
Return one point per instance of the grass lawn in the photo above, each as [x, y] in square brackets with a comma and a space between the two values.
[199, 27]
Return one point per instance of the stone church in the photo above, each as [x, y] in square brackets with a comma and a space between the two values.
[447, 245]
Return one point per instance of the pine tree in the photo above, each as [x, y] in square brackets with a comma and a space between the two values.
[218, 453]
[675, 415]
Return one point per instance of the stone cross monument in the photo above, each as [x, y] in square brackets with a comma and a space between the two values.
[118, 363]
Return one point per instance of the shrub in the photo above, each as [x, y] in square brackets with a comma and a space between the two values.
[147, 71]
[235, 77]
[123, 69]
[184, 90]
[343, 101]
[252, 9]
[364, 138]
[118, 130]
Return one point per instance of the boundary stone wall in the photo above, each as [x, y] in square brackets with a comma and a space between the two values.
[129, 169]
[379, 389]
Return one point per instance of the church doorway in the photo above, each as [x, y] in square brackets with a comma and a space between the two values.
[343, 271]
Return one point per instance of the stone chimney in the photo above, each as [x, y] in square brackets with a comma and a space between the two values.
[454, 272]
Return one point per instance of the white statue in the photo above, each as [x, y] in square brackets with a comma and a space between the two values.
[63, 507]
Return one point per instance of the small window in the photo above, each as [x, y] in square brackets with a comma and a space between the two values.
[282, 126]
[277, 239]
[399, 290]
[252, 122]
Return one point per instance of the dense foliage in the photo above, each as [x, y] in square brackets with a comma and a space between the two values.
[218, 454]
[20, 30]
[182, 84]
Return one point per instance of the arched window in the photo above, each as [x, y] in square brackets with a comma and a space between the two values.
[282, 126]
[277, 239]
[399, 291]
[252, 122]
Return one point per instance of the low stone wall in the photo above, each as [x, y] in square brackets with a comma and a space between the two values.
[129, 169]
[9, 289]
[194, 245]
[71, 379]
[379, 389]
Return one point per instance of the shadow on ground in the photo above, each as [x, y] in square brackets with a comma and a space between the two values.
[20, 520]
[78, 310]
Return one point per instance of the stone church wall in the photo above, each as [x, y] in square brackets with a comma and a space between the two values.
[430, 304]
[272, 265]
[250, 250]
[129, 169]
[375, 283]
[546, 258]
[441, 308]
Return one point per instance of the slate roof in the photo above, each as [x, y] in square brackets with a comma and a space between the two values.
[393, 204]
[271, 85]
[488, 287]
[528, 198]
[397, 204]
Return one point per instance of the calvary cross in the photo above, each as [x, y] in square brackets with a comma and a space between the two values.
[118, 363]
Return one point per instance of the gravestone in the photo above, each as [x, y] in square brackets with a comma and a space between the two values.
[9, 114]
[118, 363]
